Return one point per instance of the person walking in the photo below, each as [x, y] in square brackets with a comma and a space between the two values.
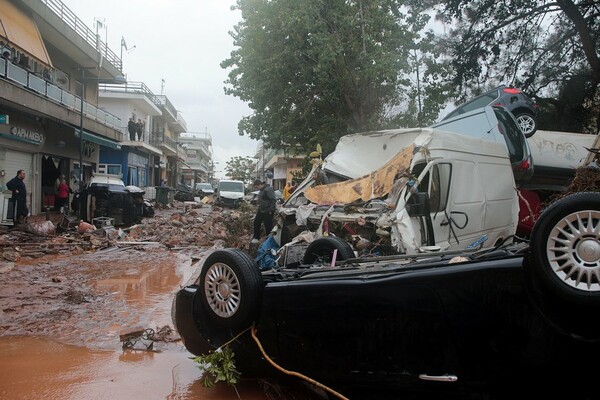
[19, 197]
[62, 194]
[266, 209]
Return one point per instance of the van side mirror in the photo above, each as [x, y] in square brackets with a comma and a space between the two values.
[418, 205]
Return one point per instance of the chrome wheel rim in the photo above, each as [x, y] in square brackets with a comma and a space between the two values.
[573, 250]
[526, 123]
[222, 290]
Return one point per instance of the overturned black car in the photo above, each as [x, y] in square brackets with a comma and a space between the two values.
[107, 196]
[513, 321]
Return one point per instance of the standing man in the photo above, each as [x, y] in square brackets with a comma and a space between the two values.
[19, 196]
[266, 209]
[132, 129]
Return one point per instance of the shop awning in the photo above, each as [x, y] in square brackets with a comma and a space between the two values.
[22, 31]
[102, 141]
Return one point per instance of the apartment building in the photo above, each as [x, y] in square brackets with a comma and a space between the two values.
[50, 124]
[66, 108]
[199, 164]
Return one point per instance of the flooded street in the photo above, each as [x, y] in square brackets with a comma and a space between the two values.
[61, 318]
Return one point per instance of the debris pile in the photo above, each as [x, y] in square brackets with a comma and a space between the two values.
[176, 227]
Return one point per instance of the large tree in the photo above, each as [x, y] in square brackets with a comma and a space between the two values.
[549, 48]
[314, 70]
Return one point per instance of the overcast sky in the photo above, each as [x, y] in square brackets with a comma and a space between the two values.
[182, 42]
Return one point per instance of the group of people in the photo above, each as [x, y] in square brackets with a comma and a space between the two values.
[19, 196]
[135, 128]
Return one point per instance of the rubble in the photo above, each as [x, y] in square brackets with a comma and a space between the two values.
[173, 226]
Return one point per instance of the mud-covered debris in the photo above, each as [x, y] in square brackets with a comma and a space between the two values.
[145, 339]
[6, 266]
[75, 297]
[58, 279]
[10, 255]
[33, 254]
[84, 227]
[131, 333]
[44, 228]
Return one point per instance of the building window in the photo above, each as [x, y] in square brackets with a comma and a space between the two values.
[112, 169]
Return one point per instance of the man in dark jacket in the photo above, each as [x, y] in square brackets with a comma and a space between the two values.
[19, 196]
[132, 129]
[266, 209]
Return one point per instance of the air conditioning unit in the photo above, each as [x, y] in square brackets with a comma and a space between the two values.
[61, 79]
[6, 52]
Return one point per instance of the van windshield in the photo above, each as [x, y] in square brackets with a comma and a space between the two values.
[231, 187]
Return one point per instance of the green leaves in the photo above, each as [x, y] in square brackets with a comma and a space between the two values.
[315, 70]
[218, 366]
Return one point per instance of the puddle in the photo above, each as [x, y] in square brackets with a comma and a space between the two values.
[38, 368]
[148, 291]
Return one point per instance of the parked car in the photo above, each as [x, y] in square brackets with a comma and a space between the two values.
[511, 321]
[105, 195]
[183, 192]
[204, 189]
[514, 100]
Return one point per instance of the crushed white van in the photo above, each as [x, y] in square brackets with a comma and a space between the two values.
[407, 191]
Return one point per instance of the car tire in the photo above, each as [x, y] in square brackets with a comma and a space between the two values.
[322, 250]
[527, 123]
[230, 291]
[565, 250]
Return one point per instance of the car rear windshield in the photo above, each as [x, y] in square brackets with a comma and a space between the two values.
[515, 140]
[479, 102]
[231, 187]
[203, 186]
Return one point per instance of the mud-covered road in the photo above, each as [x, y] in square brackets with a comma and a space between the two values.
[62, 312]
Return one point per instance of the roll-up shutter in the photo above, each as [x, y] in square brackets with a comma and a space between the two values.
[12, 162]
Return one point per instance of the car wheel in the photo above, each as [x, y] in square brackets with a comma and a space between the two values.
[230, 289]
[527, 123]
[321, 250]
[565, 249]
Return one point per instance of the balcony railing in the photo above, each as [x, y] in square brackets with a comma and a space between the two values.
[168, 106]
[69, 18]
[132, 88]
[158, 139]
[41, 87]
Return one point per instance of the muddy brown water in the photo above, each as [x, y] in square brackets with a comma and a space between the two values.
[56, 347]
